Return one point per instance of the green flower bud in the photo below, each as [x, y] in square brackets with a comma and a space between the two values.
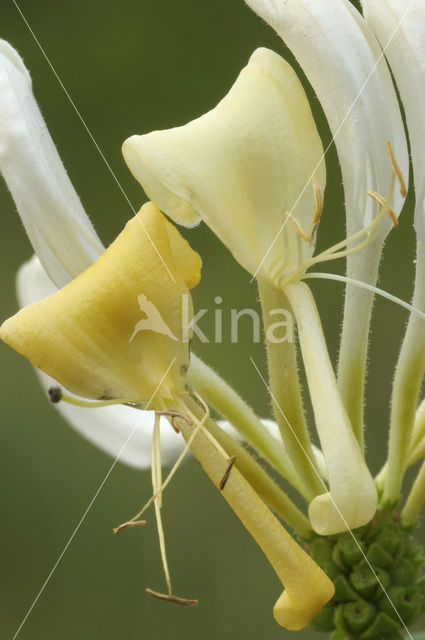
[321, 551]
[390, 539]
[382, 627]
[364, 581]
[377, 556]
[350, 550]
[358, 616]
[331, 569]
[343, 591]
[415, 553]
[407, 601]
[337, 558]
[404, 573]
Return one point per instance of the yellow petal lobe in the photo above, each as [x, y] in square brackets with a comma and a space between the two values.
[115, 330]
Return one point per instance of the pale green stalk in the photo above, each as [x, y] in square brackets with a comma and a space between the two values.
[266, 488]
[352, 499]
[406, 387]
[285, 391]
[415, 500]
[352, 364]
[417, 447]
[222, 397]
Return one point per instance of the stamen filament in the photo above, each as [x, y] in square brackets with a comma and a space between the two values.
[369, 231]
[364, 285]
[156, 483]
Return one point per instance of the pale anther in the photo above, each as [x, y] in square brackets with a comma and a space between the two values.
[297, 226]
[377, 196]
[397, 170]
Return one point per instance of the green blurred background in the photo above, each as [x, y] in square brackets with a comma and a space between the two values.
[131, 67]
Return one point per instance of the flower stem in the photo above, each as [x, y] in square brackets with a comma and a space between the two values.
[406, 387]
[222, 397]
[417, 446]
[415, 500]
[285, 390]
[266, 488]
[362, 266]
[352, 499]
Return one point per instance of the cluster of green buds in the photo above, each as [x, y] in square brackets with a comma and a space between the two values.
[378, 573]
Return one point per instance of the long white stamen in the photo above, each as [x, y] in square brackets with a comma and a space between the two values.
[368, 287]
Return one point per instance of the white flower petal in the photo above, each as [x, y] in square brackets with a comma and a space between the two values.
[240, 166]
[400, 28]
[106, 427]
[341, 58]
[51, 211]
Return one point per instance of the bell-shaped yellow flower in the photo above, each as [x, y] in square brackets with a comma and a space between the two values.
[116, 330]
[258, 187]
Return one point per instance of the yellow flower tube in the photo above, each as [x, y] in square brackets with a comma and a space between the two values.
[307, 587]
[113, 332]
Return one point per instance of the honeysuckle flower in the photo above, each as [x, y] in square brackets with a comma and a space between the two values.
[76, 334]
[399, 26]
[256, 132]
[83, 335]
[100, 350]
[65, 241]
[114, 429]
[255, 155]
[355, 90]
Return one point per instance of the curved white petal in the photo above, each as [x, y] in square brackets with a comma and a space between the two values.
[342, 60]
[400, 28]
[108, 428]
[51, 211]
[241, 166]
